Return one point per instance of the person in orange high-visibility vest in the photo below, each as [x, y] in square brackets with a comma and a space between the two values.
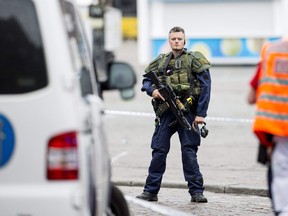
[271, 119]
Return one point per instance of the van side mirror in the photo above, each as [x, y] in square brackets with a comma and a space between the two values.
[122, 76]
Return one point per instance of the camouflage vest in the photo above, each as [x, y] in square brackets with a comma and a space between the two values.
[185, 69]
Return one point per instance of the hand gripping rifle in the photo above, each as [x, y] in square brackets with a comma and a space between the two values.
[174, 103]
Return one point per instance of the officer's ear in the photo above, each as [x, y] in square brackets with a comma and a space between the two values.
[184, 41]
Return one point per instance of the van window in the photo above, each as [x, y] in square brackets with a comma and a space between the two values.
[22, 63]
[80, 54]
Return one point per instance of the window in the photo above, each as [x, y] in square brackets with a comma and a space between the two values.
[81, 57]
[22, 62]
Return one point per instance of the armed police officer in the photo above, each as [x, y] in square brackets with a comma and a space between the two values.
[187, 75]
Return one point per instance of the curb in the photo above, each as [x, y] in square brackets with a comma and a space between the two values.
[228, 189]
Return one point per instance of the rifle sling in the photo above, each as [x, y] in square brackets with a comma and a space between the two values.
[167, 61]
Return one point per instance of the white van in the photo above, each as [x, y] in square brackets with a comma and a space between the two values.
[53, 155]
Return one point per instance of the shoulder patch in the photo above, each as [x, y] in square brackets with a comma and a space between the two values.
[166, 54]
[154, 64]
[199, 62]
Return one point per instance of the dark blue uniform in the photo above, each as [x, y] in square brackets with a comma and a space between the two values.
[189, 140]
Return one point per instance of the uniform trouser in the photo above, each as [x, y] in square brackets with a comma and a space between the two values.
[161, 145]
[280, 176]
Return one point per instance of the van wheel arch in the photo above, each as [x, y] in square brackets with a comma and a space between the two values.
[117, 203]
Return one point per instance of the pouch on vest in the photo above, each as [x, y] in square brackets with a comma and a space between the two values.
[159, 107]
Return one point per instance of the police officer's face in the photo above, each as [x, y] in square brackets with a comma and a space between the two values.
[177, 40]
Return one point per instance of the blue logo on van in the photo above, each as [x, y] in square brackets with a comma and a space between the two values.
[7, 140]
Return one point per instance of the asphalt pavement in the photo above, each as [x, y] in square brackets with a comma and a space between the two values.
[227, 156]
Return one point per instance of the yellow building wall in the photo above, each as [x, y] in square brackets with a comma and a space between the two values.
[129, 27]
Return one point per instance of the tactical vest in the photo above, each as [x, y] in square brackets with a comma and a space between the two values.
[183, 79]
[184, 71]
[272, 93]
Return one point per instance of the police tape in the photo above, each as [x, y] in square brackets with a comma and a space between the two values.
[152, 115]
[117, 157]
[164, 210]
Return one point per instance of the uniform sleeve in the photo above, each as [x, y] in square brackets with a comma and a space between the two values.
[204, 98]
[147, 86]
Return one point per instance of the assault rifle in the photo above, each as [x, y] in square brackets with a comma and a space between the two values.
[174, 103]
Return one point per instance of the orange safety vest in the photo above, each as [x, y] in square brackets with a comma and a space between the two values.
[272, 93]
